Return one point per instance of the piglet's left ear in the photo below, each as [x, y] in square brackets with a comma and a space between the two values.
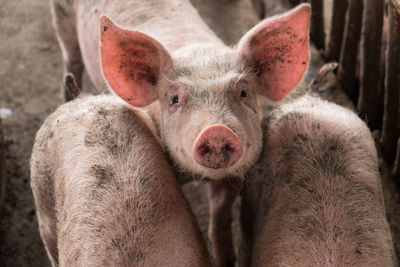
[132, 63]
[278, 49]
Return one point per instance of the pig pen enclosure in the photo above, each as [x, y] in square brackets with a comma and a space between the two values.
[363, 36]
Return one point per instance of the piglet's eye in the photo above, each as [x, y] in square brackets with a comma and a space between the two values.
[175, 99]
[243, 94]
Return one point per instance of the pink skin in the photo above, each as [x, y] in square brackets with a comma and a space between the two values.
[140, 72]
[315, 197]
[273, 45]
[267, 8]
[106, 201]
[175, 24]
[184, 60]
[288, 51]
[287, 41]
[217, 147]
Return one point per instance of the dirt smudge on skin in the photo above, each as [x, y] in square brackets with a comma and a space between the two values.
[104, 174]
[140, 61]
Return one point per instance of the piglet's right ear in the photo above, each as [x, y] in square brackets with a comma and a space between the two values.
[278, 50]
[132, 63]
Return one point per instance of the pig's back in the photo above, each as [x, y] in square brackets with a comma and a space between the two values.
[98, 171]
[174, 24]
[84, 129]
[322, 201]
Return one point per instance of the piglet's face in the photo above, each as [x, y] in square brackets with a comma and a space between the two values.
[210, 124]
[208, 95]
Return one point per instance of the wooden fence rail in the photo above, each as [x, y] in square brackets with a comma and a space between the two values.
[336, 30]
[350, 48]
[317, 24]
[370, 77]
[390, 130]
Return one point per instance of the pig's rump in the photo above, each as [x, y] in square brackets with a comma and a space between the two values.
[316, 194]
[105, 195]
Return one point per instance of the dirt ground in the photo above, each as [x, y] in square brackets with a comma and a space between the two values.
[30, 75]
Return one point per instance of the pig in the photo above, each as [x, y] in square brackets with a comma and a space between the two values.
[314, 198]
[202, 95]
[71, 88]
[105, 194]
[266, 8]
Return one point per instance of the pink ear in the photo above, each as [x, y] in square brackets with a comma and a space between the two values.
[278, 50]
[132, 63]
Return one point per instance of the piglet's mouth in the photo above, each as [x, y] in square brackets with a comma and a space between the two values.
[217, 147]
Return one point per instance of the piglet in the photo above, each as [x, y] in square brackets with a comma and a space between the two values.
[104, 193]
[201, 94]
[315, 197]
[266, 8]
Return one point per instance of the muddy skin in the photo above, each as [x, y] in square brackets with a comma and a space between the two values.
[316, 192]
[105, 195]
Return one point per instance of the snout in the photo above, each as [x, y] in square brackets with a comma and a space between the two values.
[217, 147]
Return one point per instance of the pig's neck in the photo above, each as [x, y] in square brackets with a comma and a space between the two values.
[154, 111]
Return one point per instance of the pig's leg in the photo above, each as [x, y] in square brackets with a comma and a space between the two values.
[42, 187]
[268, 8]
[247, 219]
[221, 196]
[64, 23]
[72, 90]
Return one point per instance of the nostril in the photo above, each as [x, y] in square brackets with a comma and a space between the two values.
[229, 147]
[204, 149]
[217, 147]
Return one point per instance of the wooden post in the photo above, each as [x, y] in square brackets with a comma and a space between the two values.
[317, 24]
[396, 166]
[2, 170]
[390, 131]
[370, 96]
[337, 30]
[348, 56]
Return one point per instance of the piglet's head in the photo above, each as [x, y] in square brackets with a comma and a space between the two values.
[208, 93]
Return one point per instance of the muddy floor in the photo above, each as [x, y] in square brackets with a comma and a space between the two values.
[30, 74]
